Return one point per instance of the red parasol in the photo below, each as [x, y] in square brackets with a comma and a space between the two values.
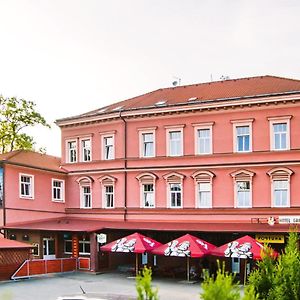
[245, 247]
[134, 243]
[185, 246]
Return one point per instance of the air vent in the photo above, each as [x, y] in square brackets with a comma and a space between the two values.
[193, 99]
[160, 103]
[102, 110]
[117, 108]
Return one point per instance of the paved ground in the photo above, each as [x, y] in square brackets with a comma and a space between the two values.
[52, 286]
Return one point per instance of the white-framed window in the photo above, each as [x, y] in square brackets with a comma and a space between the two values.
[108, 196]
[147, 189]
[243, 193]
[84, 247]
[280, 133]
[242, 181]
[72, 151]
[108, 191]
[174, 140]
[26, 183]
[203, 138]
[281, 193]
[58, 190]
[203, 188]
[147, 142]
[280, 186]
[174, 190]
[86, 196]
[108, 147]
[204, 194]
[242, 138]
[86, 151]
[148, 195]
[85, 189]
[242, 135]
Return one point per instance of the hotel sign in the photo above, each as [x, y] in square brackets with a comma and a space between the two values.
[270, 238]
[289, 219]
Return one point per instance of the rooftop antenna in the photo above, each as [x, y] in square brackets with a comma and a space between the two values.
[224, 77]
[177, 81]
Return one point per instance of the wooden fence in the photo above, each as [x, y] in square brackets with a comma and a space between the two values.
[38, 267]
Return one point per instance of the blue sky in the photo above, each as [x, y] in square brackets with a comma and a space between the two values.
[72, 56]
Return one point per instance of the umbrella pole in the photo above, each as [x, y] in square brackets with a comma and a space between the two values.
[136, 264]
[245, 272]
[188, 268]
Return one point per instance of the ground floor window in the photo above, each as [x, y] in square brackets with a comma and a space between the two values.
[84, 247]
[68, 246]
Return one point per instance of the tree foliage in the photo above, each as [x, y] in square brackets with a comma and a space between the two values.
[144, 287]
[279, 280]
[224, 287]
[15, 116]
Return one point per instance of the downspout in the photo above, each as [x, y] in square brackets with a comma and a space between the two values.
[3, 198]
[125, 166]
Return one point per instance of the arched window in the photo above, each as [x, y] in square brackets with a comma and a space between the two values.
[280, 186]
[108, 191]
[203, 188]
[147, 189]
[174, 183]
[242, 182]
[85, 185]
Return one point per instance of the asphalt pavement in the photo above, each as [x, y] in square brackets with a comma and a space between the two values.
[110, 285]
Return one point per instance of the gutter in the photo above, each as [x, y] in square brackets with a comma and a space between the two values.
[125, 165]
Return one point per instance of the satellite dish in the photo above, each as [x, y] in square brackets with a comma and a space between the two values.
[175, 83]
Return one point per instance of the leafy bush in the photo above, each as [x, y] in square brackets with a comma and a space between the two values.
[279, 280]
[221, 287]
[224, 287]
[143, 285]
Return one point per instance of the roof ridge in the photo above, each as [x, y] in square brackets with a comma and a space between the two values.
[12, 154]
[280, 77]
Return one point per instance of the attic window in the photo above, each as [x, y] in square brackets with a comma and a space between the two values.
[160, 103]
[192, 98]
[117, 108]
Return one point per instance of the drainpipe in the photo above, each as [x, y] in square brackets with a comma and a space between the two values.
[3, 198]
[125, 166]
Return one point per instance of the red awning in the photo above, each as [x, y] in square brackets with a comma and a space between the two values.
[72, 224]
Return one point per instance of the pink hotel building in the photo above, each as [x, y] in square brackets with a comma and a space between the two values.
[218, 160]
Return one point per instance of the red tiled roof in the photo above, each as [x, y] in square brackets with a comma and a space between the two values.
[91, 225]
[5, 243]
[227, 89]
[32, 159]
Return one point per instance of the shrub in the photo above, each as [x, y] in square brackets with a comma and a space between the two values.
[143, 285]
[221, 287]
[279, 280]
